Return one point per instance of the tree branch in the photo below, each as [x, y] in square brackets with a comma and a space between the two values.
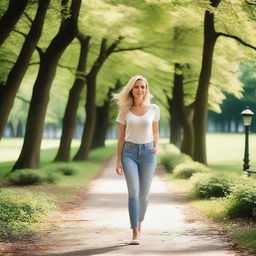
[22, 99]
[34, 63]
[250, 2]
[7, 61]
[102, 49]
[129, 49]
[112, 47]
[71, 69]
[19, 32]
[40, 52]
[237, 39]
[28, 17]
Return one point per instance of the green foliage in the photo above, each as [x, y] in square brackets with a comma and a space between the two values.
[67, 170]
[212, 185]
[169, 161]
[20, 210]
[33, 177]
[246, 238]
[186, 170]
[242, 200]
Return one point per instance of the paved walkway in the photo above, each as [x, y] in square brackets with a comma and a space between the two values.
[101, 226]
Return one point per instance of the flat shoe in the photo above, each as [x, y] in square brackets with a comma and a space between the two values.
[135, 241]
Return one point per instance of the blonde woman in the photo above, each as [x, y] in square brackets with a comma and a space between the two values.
[137, 147]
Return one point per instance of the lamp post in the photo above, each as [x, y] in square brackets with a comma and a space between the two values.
[247, 119]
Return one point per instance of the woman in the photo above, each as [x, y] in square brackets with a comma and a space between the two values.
[137, 147]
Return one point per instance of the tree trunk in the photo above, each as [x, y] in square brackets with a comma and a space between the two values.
[101, 127]
[19, 132]
[11, 17]
[15, 76]
[175, 129]
[188, 136]
[90, 108]
[183, 115]
[102, 120]
[11, 129]
[201, 100]
[30, 153]
[175, 108]
[69, 120]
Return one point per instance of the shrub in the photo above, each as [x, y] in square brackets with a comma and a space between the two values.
[169, 161]
[51, 177]
[211, 185]
[242, 200]
[186, 170]
[33, 176]
[20, 209]
[65, 170]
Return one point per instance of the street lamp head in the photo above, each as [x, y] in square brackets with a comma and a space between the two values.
[247, 116]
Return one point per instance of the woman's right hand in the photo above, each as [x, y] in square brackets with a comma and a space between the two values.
[119, 168]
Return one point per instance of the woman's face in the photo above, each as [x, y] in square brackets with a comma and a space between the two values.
[139, 89]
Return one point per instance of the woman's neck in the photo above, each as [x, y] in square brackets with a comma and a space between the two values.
[138, 103]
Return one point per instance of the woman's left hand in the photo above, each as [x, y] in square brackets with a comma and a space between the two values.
[155, 150]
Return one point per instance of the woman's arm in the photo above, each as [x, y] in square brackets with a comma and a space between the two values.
[155, 136]
[121, 135]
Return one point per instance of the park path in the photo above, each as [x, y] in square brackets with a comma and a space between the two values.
[101, 225]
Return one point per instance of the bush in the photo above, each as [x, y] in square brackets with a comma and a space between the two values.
[242, 200]
[186, 170]
[33, 176]
[20, 209]
[169, 161]
[212, 185]
[65, 170]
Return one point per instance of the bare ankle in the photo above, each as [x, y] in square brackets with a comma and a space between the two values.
[135, 233]
[139, 227]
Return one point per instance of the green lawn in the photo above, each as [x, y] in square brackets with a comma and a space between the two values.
[10, 150]
[86, 170]
[225, 152]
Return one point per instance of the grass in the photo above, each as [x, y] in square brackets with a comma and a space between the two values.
[22, 211]
[206, 206]
[243, 232]
[68, 185]
[225, 154]
[65, 190]
[10, 149]
[246, 238]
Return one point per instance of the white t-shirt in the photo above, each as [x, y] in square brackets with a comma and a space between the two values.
[139, 128]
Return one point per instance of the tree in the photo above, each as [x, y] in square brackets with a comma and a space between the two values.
[30, 153]
[11, 17]
[102, 118]
[16, 74]
[201, 101]
[175, 103]
[69, 118]
[83, 151]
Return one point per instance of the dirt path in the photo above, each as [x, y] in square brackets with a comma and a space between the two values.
[101, 225]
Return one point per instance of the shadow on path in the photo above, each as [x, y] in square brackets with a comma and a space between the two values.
[87, 252]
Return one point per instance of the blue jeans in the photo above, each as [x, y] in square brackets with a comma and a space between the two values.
[139, 164]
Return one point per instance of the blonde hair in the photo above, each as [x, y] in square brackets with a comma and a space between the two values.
[124, 98]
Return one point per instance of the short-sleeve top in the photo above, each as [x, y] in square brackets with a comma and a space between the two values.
[139, 128]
